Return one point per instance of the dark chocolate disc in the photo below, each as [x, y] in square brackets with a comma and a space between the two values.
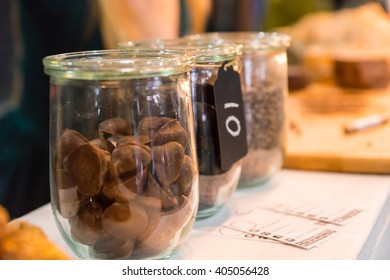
[167, 161]
[171, 131]
[130, 159]
[70, 139]
[103, 144]
[86, 167]
[183, 184]
[151, 125]
[113, 248]
[125, 221]
[86, 227]
[131, 139]
[115, 126]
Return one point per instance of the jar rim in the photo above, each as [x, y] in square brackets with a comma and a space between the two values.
[249, 40]
[116, 64]
[202, 50]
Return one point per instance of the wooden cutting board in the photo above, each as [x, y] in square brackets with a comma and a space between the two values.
[316, 138]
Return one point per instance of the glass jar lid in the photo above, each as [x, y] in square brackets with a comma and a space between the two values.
[250, 41]
[116, 64]
[203, 50]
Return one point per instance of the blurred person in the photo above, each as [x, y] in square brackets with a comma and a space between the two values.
[31, 30]
[237, 15]
[124, 20]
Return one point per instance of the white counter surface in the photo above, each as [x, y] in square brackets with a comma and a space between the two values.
[366, 236]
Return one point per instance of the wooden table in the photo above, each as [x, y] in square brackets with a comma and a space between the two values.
[316, 138]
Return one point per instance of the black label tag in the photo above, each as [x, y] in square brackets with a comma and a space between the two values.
[230, 116]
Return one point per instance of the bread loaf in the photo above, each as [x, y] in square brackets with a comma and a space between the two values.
[20, 240]
[362, 73]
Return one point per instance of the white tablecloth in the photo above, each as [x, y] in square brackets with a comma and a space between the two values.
[366, 237]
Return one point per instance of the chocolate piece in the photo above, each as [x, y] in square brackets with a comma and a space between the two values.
[158, 237]
[125, 221]
[171, 131]
[69, 141]
[162, 230]
[103, 144]
[153, 188]
[130, 159]
[149, 202]
[135, 183]
[117, 192]
[107, 155]
[363, 74]
[183, 184]
[86, 227]
[115, 126]
[62, 180]
[127, 190]
[151, 125]
[167, 161]
[168, 200]
[86, 167]
[113, 248]
[134, 140]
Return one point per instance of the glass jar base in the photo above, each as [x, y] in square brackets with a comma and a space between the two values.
[255, 183]
[259, 166]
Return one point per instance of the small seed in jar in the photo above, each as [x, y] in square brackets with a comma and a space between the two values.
[265, 116]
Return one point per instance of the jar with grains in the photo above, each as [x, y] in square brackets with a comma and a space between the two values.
[215, 82]
[123, 171]
[264, 79]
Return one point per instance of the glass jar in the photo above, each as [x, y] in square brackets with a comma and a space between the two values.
[218, 176]
[264, 79]
[123, 171]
